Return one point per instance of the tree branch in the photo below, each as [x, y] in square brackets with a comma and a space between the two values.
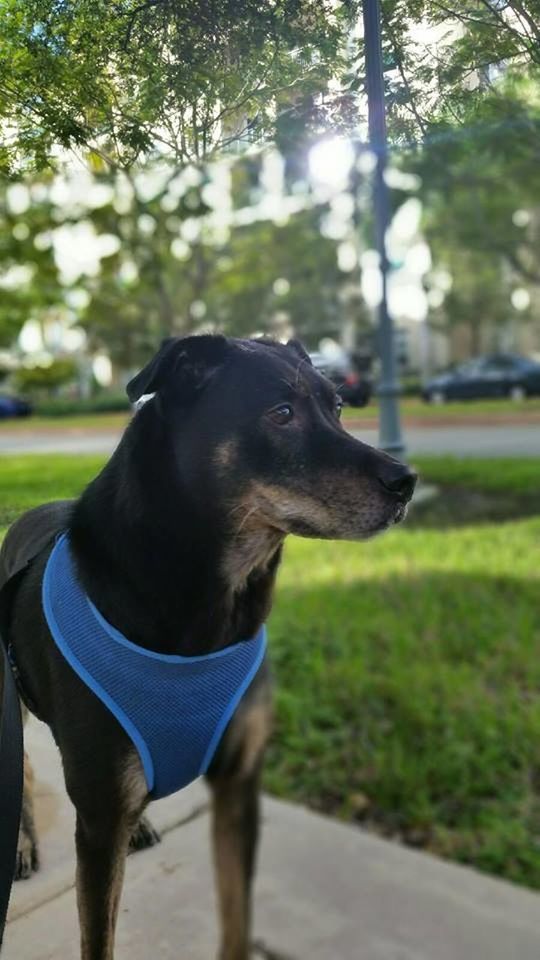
[403, 76]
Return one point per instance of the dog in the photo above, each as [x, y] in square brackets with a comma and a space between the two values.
[176, 545]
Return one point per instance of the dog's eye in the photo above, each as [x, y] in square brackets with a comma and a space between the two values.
[338, 407]
[282, 414]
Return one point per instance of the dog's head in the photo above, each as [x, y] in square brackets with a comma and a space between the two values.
[256, 433]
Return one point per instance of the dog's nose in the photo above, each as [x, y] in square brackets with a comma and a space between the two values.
[399, 480]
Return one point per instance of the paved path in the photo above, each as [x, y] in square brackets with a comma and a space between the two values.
[501, 441]
[325, 891]
[70, 440]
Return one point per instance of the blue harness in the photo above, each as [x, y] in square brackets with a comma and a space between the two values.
[174, 709]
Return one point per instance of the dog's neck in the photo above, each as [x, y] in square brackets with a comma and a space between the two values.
[250, 549]
[171, 575]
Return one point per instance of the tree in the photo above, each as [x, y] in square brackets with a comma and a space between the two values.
[463, 95]
[132, 79]
[29, 280]
[443, 59]
[46, 379]
[263, 277]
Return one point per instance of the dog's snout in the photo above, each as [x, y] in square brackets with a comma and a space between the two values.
[399, 480]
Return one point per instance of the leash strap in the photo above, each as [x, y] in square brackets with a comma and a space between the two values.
[11, 783]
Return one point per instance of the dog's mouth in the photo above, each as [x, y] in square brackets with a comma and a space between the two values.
[395, 516]
[324, 514]
[303, 528]
[400, 513]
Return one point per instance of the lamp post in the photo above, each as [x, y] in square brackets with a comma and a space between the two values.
[390, 438]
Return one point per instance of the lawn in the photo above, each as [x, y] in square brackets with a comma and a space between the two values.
[407, 668]
[413, 408]
[82, 421]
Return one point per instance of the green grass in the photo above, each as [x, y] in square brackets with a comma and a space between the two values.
[407, 668]
[408, 679]
[412, 407]
[26, 481]
[496, 475]
[86, 421]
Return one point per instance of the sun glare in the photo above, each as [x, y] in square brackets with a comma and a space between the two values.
[330, 162]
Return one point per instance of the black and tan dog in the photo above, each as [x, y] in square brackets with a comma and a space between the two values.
[177, 543]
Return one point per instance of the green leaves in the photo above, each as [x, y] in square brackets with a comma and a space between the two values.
[128, 78]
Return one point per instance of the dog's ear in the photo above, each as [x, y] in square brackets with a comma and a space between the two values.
[181, 362]
[299, 350]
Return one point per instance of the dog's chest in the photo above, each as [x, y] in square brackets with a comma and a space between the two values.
[174, 709]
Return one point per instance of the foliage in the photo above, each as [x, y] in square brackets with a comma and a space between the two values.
[480, 187]
[131, 79]
[134, 79]
[443, 59]
[174, 262]
[78, 410]
[407, 670]
[462, 93]
[230, 285]
[463, 107]
[45, 379]
[28, 273]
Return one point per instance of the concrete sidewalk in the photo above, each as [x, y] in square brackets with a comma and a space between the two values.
[324, 891]
[502, 440]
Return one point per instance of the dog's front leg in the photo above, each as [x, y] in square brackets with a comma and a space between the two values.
[235, 833]
[101, 854]
[27, 845]
[107, 814]
[235, 783]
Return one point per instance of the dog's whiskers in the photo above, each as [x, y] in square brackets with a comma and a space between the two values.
[246, 518]
[239, 506]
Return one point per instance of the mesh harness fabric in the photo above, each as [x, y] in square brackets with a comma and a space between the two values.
[174, 709]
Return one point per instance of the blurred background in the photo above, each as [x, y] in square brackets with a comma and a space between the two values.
[165, 173]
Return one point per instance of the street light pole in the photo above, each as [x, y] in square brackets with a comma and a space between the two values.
[390, 437]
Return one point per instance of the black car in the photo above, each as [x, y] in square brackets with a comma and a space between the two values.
[498, 375]
[354, 388]
[13, 407]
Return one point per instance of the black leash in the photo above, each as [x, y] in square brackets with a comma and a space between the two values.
[11, 781]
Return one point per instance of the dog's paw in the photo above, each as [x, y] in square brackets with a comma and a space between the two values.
[27, 861]
[143, 836]
[260, 949]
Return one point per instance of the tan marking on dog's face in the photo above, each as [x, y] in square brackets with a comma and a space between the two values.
[341, 508]
[225, 453]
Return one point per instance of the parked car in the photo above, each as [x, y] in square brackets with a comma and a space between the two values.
[13, 407]
[498, 375]
[353, 387]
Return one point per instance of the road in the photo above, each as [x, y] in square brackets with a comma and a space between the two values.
[479, 441]
[500, 441]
